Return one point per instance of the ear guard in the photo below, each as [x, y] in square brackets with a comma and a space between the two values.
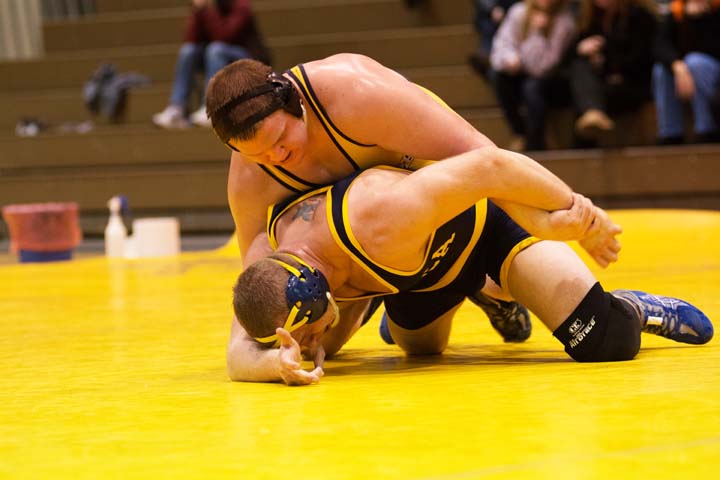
[307, 294]
[283, 95]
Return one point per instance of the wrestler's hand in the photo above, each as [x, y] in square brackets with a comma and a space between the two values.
[573, 223]
[600, 241]
[317, 354]
[290, 368]
[319, 360]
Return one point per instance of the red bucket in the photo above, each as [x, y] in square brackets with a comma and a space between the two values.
[43, 232]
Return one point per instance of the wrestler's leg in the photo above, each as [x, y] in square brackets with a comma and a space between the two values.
[556, 285]
[551, 280]
[509, 318]
[420, 322]
[431, 339]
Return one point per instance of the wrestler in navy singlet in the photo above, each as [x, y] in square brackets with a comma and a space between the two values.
[481, 240]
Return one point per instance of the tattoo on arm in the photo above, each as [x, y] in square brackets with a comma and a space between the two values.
[307, 208]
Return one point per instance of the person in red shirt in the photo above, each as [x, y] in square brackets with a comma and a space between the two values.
[218, 33]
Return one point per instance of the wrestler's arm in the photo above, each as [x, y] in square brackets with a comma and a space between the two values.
[563, 225]
[248, 362]
[598, 239]
[431, 196]
[452, 186]
[250, 191]
[390, 111]
[249, 194]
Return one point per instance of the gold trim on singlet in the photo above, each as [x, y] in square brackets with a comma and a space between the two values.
[519, 247]
[363, 259]
[358, 261]
[272, 222]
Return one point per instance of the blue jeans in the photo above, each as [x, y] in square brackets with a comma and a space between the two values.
[536, 95]
[705, 71]
[194, 57]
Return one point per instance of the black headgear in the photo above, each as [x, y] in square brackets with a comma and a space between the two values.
[283, 95]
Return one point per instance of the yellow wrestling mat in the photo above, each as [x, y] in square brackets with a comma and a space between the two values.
[116, 370]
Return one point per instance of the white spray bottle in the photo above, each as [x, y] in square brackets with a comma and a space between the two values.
[115, 231]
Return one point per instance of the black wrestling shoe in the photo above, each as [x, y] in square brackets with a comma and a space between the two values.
[510, 319]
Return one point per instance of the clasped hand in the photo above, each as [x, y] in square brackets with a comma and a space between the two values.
[591, 226]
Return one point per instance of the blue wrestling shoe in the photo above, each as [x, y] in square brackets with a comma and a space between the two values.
[385, 330]
[669, 317]
[510, 319]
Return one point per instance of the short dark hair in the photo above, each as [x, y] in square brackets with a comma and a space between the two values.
[230, 83]
[259, 298]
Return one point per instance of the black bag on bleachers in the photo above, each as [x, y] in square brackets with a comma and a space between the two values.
[105, 93]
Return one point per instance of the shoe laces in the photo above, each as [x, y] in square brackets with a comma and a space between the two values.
[668, 320]
[658, 319]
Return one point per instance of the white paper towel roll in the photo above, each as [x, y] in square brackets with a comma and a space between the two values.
[156, 237]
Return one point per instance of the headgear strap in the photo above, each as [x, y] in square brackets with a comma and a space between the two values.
[283, 94]
[307, 294]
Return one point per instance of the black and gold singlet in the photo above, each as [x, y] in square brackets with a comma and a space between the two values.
[448, 249]
[359, 156]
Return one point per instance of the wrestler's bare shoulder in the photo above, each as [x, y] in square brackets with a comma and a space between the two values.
[335, 76]
[379, 218]
[370, 191]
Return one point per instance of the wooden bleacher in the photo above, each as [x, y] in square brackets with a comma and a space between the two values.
[184, 173]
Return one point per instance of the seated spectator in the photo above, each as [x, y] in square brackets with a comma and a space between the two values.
[611, 70]
[527, 50]
[688, 69]
[488, 16]
[218, 33]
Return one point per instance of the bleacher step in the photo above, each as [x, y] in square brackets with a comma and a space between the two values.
[397, 48]
[275, 19]
[457, 85]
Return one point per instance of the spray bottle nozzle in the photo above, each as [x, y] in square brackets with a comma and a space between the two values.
[119, 204]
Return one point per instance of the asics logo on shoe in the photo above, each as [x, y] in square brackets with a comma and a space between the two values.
[686, 329]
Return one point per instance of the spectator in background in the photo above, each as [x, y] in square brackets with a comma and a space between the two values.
[611, 70]
[488, 16]
[688, 69]
[527, 50]
[218, 33]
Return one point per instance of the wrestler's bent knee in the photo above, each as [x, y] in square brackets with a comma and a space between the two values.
[601, 329]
